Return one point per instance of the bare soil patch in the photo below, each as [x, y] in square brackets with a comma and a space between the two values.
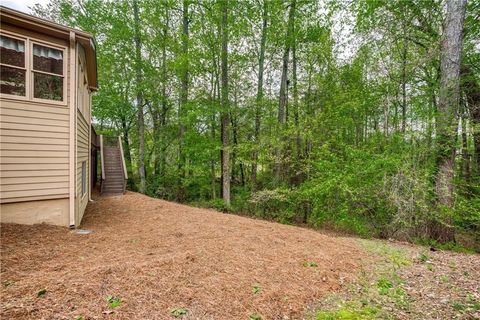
[156, 256]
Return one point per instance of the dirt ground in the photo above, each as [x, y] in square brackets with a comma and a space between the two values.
[155, 259]
[408, 282]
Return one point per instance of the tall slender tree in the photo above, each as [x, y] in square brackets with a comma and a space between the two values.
[449, 104]
[225, 114]
[259, 97]
[139, 98]
[183, 102]
[282, 101]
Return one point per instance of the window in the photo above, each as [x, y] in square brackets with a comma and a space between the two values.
[31, 70]
[83, 92]
[84, 178]
[47, 73]
[12, 66]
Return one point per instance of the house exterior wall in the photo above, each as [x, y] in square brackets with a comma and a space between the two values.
[82, 111]
[34, 148]
[53, 211]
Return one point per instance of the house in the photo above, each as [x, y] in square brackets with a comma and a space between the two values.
[47, 74]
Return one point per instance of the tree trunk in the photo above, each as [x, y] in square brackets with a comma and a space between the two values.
[163, 119]
[212, 135]
[283, 91]
[295, 99]
[404, 73]
[140, 124]
[225, 106]
[258, 102]
[447, 107]
[465, 153]
[308, 141]
[182, 104]
[472, 94]
[126, 152]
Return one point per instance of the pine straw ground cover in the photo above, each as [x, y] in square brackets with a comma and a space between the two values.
[152, 259]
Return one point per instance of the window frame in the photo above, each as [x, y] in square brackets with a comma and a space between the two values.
[25, 68]
[29, 71]
[83, 91]
[63, 75]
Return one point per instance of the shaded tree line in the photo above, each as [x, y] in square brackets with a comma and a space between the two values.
[359, 116]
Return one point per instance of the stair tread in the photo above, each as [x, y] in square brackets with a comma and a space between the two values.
[114, 181]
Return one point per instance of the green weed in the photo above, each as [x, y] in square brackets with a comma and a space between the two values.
[349, 312]
[384, 285]
[113, 302]
[256, 289]
[395, 256]
[179, 312]
[423, 257]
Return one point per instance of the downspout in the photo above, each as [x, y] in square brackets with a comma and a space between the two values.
[72, 148]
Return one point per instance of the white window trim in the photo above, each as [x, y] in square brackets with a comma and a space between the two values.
[29, 41]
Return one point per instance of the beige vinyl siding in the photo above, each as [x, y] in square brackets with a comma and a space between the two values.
[82, 155]
[33, 151]
[34, 145]
[82, 110]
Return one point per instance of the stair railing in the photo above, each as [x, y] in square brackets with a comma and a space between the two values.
[125, 174]
[102, 161]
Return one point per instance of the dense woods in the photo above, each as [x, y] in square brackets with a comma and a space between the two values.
[360, 116]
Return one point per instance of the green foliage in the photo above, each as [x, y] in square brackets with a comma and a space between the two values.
[349, 312]
[423, 257]
[310, 264]
[179, 312]
[113, 302]
[384, 285]
[256, 289]
[359, 145]
[395, 256]
[254, 316]
[450, 246]
[273, 204]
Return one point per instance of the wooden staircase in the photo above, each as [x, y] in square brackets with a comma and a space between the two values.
[114, 173]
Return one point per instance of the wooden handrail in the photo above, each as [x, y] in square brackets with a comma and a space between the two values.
[102, 157]
[125, 175]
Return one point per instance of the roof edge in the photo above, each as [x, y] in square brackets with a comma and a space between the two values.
[28, 21]
[31, 19]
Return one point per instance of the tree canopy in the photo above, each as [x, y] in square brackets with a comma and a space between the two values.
[331, 113]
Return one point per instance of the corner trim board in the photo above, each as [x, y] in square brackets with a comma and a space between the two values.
[72, 147]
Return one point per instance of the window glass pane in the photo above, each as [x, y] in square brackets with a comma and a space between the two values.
[12, 81]
[47, 59]
[84, 177]
[46, 86]
[12, 51]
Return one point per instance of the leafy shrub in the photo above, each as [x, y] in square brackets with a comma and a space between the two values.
[272, 204]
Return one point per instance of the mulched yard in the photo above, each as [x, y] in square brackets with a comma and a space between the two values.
[154, 259]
